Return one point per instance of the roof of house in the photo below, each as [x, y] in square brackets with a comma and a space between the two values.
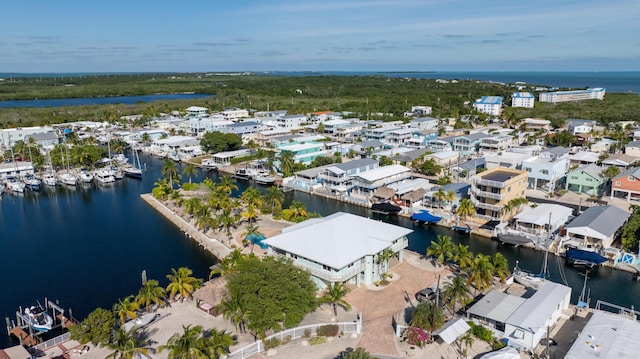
[540, 214]
[489, 100]
[411, 155]
[472, 165]
[443, 155]
[591, 169]
[586, 156]
[558, 151]
[497, 306]
[337, 240]
[345, 166]
[604, 220]
[382, 172]
[606, 335]
[633, 144]
[475, 136]
[456, 187]
[415, 195]
[536, 310]
[370, 143]
[635, 172]
[452, 330]
[619, 159]
[423, 119]
[522, 95]
[384, 192]
[43, 136]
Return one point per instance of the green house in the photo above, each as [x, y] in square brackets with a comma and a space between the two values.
[587, 179]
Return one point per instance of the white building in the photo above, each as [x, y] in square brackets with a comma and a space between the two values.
[9, 136]
[196, 111]
[18, 168]
[291, 121]
[491, 105]
[607, 336]
[579, 95]
[536, 124]
[522, 99]
[200, 125]
[340, 248]
[424, 123]
[234, 114]
[496, 143]
[548, 168]
[366, 183]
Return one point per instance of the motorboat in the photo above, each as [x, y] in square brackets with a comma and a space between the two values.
[264, 177]
[38, 318]
[49, 179]
[68, 178]
[120, 159]
[14, 185]
[104, 176]
[32, 182]
[208, 164]
[140, 321]
[516, 238]
[86, 176]
[243, 174]
[584, 256]
[117, 173]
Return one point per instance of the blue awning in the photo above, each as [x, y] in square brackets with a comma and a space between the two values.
[585, 256]
[425, 216]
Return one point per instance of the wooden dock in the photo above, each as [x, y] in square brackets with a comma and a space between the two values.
[24, 338]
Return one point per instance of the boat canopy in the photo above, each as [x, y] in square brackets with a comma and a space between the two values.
[425, 216]
[585, 256]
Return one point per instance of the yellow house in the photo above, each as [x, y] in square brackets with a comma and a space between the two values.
[493, 189]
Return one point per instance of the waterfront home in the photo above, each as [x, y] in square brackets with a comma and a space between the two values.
[577, 95]
[9, 136]
[366, 183]
[410, 156]
[587, 179]
[440, 144]
[306, 180]
[262, 137]
[234, 114]
[548, 169]
[303, 152]
[493, 189]
[468, 144]
[340, 248]
[602, 146]
[15, 169]
[365, 148]
[523, 99]
[171, 144]
[583, 158]
[632, 149]
[536, 124]
[223, 159]
[506, 159]
[410, 192]
[491, 105]
[201, 125]
[380, 133]
[597, 226]
[242, 128]
[495, 143]
[543, 219]
[468, 168]
[619, 160]
[607, 336]
[399, 136]
[627, 184]
[522, 321]
[577, 125]
[423, 123]
[44, 139]
[460, 191]
[196, 111]
[337, 178]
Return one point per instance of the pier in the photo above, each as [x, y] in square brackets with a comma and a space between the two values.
[22, 330]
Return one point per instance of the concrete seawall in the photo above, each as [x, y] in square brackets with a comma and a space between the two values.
[216, 248]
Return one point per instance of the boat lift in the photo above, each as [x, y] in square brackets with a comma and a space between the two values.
[21, 329]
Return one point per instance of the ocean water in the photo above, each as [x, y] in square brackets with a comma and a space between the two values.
[82, 101]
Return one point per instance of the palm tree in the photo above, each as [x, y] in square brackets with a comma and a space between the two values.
[383, 258]
[192, 205]
[127, 345]
[203, 218]
[228, 263]
[273, 199]
[188, 345]
[170, 171]
[251, 196]
[218, 343]
[227, 220]
[466, 340]
[126, 309]
[441, 250]
[287, 163]
[456, 292]
[465, 209]
[298, 209]
[250, 213]
[233, 309]
[450, 197]
[481, 272]
[500, 266]
[463, 256]
[182, 283]
[440, 195]
[335, 296]
[146, 138]
[150, 293]
[161, 189]
[190, 170]
[227, 185]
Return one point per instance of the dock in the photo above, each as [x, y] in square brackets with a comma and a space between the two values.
[21, 329]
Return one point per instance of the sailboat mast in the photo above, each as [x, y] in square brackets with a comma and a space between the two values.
[546, 251]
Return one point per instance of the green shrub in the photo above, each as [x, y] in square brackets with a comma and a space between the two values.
[481, 332]
[498, 344]
[271, 343]
[307, 333]
[317, 340]
[328, 330]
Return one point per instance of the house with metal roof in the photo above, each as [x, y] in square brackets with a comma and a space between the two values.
[491, 105]
[545, 218]
[626, 184]
[632, 149]
[619, 160]
[423, 123]
[583, 158]
[548, 169]
[494, 308]
[468, 144]
[522, 99]
[366, 183]
[597, 226]
[303, 152]
[340, 248]
[606, 336]
[44, 139]
[468, 168]
[587, 179]
[337, 178]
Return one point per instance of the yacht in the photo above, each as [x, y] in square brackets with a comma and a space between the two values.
[49, 179]
[133, 172]
[86, 176]
[14, 185]
[104, 176]
[67, 178]
[32, 182]
[38, 318]
[117, 173]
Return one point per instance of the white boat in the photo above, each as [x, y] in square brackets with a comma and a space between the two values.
[15, 185]
[208, 164]
[67, 178]
[117, 173]
[38, 318]
[104, 176]
[120, 158]
[265, 179]
[135, 170]
[49, 179]
[529, 280]
[86, 176]
[140, 322]
[32, 182]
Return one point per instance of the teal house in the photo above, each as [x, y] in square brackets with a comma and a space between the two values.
[303, 152]
[587, 179]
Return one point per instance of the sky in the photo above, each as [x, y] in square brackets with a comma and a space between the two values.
[329, 35]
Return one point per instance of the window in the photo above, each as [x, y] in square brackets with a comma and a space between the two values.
[544, 172]
[631, 178]
[589, 179]
[574, 177]
[617, 183]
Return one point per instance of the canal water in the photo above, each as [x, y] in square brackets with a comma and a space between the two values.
[87, 247]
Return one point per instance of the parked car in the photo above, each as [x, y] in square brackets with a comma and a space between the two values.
[426, 295]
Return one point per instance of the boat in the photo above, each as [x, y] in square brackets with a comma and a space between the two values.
[135, 170]
[49, 179]
[425, 216]
[263, 177]
[527, 279]
[14, 185]
[85, 176]
[584, 256]
[32, 182]
[117, 173]
[120, 159]
[385, 208]
[464, 229]
[67, 178]
[243, 174]
[208, 164]
[38, 318]
[104, 176]
[140, 321]
[517, 238]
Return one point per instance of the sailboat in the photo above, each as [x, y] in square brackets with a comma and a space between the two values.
[135, 170]
[66, 177]
[530, 280]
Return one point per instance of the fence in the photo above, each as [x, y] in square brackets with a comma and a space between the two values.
[49, 343]
[294, 334]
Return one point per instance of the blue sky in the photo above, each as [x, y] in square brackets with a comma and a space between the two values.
[341, 35]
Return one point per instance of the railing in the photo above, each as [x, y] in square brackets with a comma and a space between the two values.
[485, 205]
[49, 343]
[294, 334]
[489, 183]
[481, 193]
[335, 276]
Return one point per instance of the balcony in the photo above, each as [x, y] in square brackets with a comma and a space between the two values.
[490, 207]
[484, 182]
[480, 193]
[335, 276]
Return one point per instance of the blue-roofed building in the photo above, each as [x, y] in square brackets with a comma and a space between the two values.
[491, 105]
[522, 99]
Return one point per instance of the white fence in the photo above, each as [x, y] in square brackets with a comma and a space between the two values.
[49, 343]
[293, 334]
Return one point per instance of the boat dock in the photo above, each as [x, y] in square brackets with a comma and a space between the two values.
[21, 328]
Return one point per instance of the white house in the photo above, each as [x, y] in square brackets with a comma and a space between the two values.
[9, 136]
[291, 121]
[496, 143]
[196, 111]
[234, 114]
[18, 168]
[491, 105]
[424, 123]
[543, 218]
[607, 336]
[548, 168]
[522, 99]
[536, 124]
[367, 182]
[340, 248]
[597, 226]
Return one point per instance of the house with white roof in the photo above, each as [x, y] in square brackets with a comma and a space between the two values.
[399, 136]
[578, 125]
[201, 124]
[196, 111]
[423, 123]
[507, 159]
[366, 183]
[619, 160]
[548, 169]
[337, 178]
[602, 146]
[291, 121]
[522, 99]
[598, 226]
[543, 219]
[583, 158]
[223, 159]
[304, 152]
[9, 136]
[468, 144]
[340, 248]
[17, 168]
[536, 124]
[234, 114]
[577, 95]
[491, 105]
[607, 336]
[496, 143]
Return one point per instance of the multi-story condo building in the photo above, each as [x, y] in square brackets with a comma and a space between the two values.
[496, 143]
[491, 105]
[522, 99]
[234, 114]
[493, 189]
[579, 95]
